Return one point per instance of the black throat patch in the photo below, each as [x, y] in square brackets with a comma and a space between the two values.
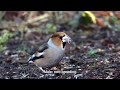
[64, 43]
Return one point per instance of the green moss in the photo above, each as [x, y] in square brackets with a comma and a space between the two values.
[4, 37]
[50, 27]
[91, 53]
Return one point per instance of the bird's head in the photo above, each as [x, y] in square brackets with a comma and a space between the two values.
[60, 39]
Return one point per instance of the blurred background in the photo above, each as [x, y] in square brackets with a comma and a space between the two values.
[94, 53]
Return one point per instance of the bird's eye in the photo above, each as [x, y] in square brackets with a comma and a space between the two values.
[61, 37]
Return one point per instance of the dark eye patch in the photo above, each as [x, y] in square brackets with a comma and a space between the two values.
[61, 37]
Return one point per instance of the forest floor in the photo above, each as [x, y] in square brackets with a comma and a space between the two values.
[92, 55]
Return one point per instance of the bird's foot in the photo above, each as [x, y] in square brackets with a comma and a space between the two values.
[54, 68]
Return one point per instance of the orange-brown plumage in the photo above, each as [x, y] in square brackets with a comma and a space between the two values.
[57, 34]
[56, 41]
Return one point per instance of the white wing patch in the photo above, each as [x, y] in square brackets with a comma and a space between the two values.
[38, 54]
[35, 56]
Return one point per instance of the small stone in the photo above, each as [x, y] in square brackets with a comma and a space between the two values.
[7, 52]
[14, 56]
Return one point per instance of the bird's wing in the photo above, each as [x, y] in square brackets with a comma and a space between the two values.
[39, 54]
[42, 48]
[36, 56]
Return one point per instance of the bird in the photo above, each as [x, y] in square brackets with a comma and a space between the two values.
[52, 52]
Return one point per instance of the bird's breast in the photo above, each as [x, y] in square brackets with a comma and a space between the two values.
[52, 57]
[55, 56]
[54, 53]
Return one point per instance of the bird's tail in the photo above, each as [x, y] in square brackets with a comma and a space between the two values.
[30, 60]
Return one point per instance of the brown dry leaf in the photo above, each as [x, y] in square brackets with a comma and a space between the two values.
[102, 13]
[117, 13]
[99, 22]
[9, 15]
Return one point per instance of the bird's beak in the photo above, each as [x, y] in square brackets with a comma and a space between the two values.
[67, 39]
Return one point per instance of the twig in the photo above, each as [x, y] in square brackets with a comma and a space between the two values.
[37, 18]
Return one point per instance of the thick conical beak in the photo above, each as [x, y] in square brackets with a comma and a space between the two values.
[66, 38]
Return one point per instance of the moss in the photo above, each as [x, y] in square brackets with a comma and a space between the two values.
[4, 37]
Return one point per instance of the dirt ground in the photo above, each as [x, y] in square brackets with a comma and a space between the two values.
[93, 56]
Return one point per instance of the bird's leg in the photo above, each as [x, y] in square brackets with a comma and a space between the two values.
[42, 69]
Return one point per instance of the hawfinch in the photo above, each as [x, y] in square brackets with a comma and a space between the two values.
[51, 53]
